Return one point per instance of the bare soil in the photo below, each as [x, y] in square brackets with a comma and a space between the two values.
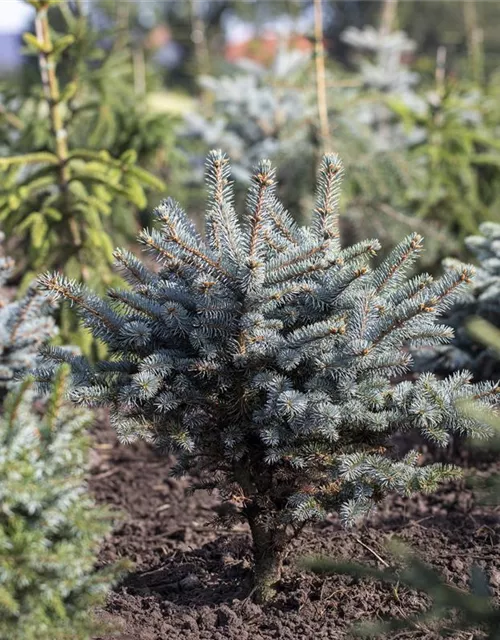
[192, 580]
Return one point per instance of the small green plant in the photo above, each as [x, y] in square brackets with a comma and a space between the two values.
[50, 529]
[457, 159]
[262, 354]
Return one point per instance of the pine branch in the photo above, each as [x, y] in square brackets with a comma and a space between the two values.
[325, 216]
[263, 184]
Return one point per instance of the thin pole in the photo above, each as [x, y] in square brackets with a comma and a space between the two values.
[50, 83]
[440, 68]
[388, 17]
[474, 40]
[320, 73]
[199, 38]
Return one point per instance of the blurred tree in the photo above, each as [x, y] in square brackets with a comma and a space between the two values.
[50, 528]
[64, 197]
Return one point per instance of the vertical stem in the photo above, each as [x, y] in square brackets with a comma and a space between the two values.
[199, 39]
[385, 58]
[388, 16]
[270, 544]
[51, 90]
[123, 23]
[474, 40]
[48, 65]
[320, 73]
[440, 69]
[139, 64]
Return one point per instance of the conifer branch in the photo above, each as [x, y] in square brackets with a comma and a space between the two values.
[74, 293]
[30, 158]
[325, 216]
[263, 179]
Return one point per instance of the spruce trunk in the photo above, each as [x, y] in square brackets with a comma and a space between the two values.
[269, 551]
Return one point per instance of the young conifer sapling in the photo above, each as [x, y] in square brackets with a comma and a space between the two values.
[262, 353]
[50, 528]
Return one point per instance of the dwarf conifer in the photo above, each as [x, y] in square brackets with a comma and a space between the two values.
[262, 354]
[50, 528]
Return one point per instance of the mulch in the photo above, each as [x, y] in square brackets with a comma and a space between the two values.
[191, 580]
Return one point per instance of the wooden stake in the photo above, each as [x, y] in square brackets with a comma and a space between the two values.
[474, 40]
[387, 19]
[440, 68]
[320, 73]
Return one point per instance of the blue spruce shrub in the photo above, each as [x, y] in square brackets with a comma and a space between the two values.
[481, 301]
[25, 324]
[263, 354]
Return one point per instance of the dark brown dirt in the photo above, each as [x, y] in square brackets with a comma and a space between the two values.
[192, 580]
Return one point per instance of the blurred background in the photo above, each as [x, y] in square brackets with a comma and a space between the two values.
[405, 91]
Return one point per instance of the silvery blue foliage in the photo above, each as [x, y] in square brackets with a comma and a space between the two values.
[482, 300]
[25, 324]
[383, 71]
[263, 354]
[387, 72]
[251, 111]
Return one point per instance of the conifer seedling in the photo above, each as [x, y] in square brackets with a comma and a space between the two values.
[263, 354]
[50, 528]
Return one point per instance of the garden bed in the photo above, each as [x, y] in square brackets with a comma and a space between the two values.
[191, 580]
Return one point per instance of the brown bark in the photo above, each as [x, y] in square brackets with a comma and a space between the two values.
[270, 544]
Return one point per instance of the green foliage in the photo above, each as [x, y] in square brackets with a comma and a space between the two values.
[112, 78]
[442, 142]
[457, 162]
[25, 324]
[64, 196]
[50, 529]
[262, 354]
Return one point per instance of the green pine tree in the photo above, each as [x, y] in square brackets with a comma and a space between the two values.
[457, 159]
[60, 196]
